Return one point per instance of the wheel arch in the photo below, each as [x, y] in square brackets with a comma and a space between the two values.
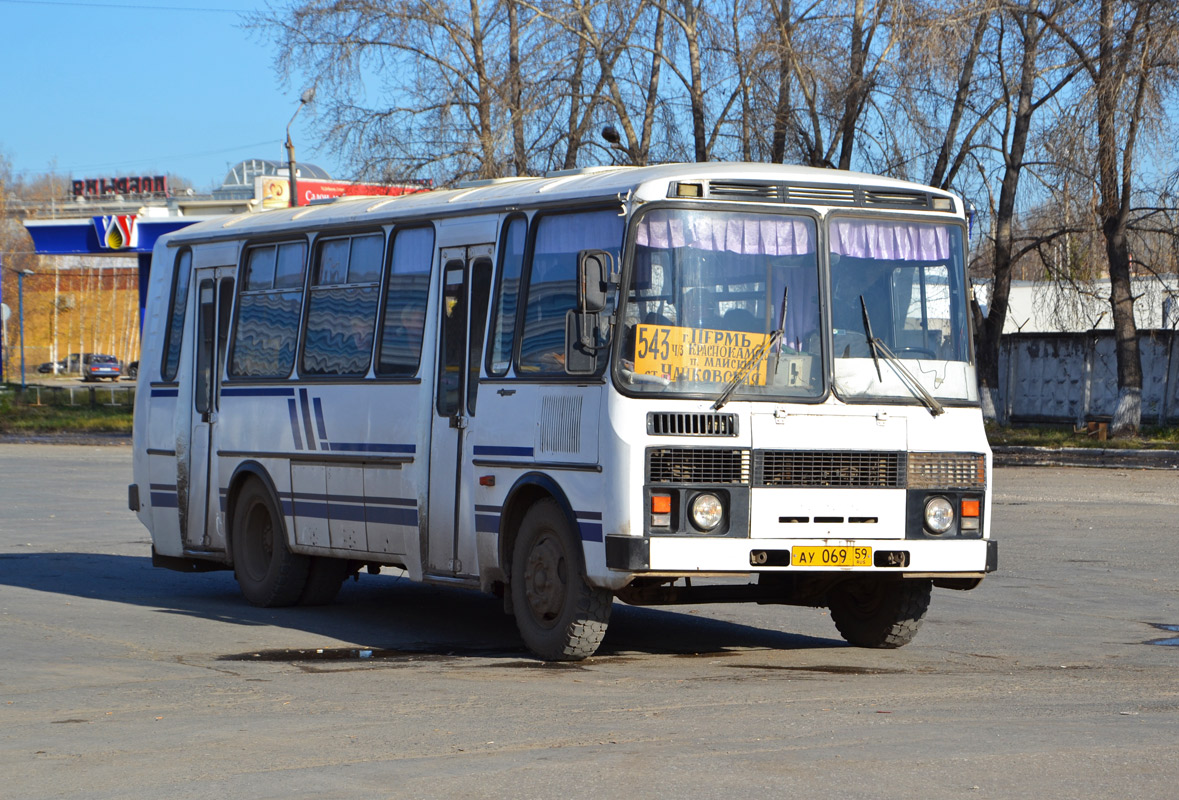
[528, 489]
[242, 473]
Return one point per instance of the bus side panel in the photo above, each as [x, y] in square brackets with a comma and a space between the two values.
[354, 477]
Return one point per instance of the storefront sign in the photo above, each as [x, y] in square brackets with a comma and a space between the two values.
[98, 187]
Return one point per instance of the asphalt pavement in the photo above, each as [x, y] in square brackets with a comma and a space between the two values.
[1057, 678]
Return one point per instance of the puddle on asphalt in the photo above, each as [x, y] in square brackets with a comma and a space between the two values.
[362, 654]
[1172, 641]
[827, 669]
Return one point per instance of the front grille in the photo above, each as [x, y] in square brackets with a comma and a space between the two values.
[691, 424]
[947, 471]
[829, 469]
[697, 465]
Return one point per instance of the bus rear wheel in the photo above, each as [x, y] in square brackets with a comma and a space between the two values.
[268, 573]
[870, 612]
[559, 615]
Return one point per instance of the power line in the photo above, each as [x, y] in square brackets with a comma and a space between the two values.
[131, 162]
[125, 6]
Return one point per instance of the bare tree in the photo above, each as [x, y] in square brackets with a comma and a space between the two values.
[1128, 50]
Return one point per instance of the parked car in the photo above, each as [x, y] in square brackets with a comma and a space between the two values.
[132, 371]
[71, 363]
[96, 366]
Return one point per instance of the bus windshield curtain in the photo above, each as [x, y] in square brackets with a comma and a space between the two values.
[890, 240]
[749, 235]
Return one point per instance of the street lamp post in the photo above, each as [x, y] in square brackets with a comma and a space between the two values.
[20, 304]
[304, 99]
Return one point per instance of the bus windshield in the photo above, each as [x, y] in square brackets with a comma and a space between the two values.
[721, 296]
[901, 282]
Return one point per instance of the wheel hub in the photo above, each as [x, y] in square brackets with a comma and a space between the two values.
[545, 579]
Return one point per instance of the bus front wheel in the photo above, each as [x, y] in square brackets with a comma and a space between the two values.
[870, 612]
[559, 615]
[268, 573]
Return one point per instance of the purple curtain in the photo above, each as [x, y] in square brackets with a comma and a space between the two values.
[889, 240]
[752, 235]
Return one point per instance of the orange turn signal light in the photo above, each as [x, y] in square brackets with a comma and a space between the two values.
[969, 508]
[660, 504]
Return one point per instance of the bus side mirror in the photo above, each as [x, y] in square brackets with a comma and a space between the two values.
[594, 269]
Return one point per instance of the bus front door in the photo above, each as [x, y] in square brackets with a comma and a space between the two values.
[205, 528]
[466, 287]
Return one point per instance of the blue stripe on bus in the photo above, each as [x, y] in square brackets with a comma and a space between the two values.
[371, 447]
[307, 418]
[257, 391]
[165, 392]
[319, 419]
[500, 450]
[345, 511]
[486, 523]
[392, 516]
[351, 508]
[163, 495]
[294, 411]
[590, 531]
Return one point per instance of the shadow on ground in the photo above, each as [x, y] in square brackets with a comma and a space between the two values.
[383, 614]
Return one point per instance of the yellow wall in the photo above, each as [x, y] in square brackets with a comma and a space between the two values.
[97, 312]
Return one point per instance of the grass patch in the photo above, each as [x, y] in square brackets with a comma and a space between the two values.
[1058, 436]
[21, 415]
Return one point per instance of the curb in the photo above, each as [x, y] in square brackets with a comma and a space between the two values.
[1016, 456]
[88, 439]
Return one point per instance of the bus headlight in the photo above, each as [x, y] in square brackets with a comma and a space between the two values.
[707, 511]
[939, 515]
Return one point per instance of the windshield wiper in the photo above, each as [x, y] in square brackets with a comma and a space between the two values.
[911, 383]
[754, 359]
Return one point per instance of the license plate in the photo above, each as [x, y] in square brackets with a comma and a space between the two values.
[831, 556]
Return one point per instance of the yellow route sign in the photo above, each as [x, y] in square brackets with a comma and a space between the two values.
[698, 354]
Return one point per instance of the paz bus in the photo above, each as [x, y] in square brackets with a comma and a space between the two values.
[672, 384]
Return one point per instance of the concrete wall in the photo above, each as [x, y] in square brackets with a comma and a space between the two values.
[1072, 377]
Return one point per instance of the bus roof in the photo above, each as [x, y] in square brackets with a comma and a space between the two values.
[725, 181]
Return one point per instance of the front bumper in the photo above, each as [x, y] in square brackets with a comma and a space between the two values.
[682, 555]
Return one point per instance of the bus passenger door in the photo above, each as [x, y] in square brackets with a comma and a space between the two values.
[205, 529]
[466, 288]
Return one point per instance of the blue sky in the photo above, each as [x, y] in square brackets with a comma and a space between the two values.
[105, 88]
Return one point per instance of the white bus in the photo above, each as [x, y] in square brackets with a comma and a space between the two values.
[673, 384]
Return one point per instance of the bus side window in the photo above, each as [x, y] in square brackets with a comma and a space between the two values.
[271, 302]
[503, 318]
[403, 326]
[342, 306]
[552, 284]
[174, 336]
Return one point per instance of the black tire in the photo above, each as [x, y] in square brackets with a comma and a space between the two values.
[324, 578]
[885, 614]
[269, 574]
[559, 615]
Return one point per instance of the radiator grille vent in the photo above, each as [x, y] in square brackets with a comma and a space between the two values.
[816, 194]
[947, 471]
[829, 469]
[697, 465]
[691, 424]
[894, 199]
[732, 190]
